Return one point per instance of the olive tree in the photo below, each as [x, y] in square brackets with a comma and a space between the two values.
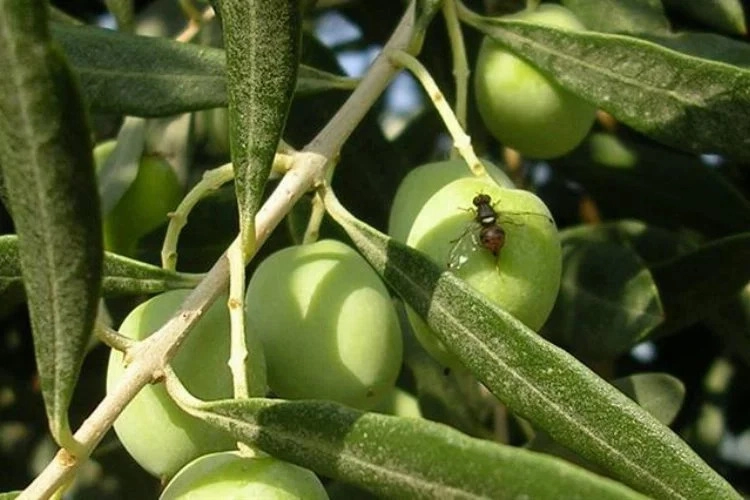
[521, 270]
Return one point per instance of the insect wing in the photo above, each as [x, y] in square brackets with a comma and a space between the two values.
[464, 246]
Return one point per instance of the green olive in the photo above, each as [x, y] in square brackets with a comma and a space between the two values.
[144, 206]
[229, 475]
[327, 324]
[523, 108]
[424, 181]
[523, 278]
[152, 428]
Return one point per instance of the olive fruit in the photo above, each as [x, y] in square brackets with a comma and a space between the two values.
[327, 324]
[400, 403]
[424, 181]
[523, 108]
[523, 278]
[144, 205]
[228, 475]
[153, 429]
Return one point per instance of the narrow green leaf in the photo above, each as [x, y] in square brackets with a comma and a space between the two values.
[394, 457]
[125, 276]
[724, 15]
[9, 495]
[45, 156]
[705, 46]
[666, 188]
[537, 380]
[608, 300]
[659, 394]
[120, 275]
[620, 16]
[696, 284]
[692, 104]
[262, 41]
[148, 76]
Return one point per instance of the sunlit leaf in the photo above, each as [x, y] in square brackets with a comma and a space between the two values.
[395, 457]
[262, 41]
[535, 379]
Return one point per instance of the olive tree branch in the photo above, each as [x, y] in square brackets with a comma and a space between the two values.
[460, 65]
[150, 356]
[461, 141]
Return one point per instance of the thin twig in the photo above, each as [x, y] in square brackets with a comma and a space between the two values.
[460, 65]
[461, 141]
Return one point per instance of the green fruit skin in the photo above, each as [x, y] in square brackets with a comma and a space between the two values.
[400, 403]
[424, 181]
[327, 324]
[520, 106]
[523, 279]
[154, 430]
[229, 475]
[144, 206]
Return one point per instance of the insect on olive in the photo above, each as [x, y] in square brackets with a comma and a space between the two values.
[491, 234]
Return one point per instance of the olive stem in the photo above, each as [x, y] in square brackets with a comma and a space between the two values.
[112, 337]
[460, 65]
[308, 169]
[461, 141]
[177, 390]
[236, 304]
[191, 11]
[312, 232]
[211, 181]
[465, 14]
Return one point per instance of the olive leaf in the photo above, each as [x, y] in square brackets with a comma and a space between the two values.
[608, 301]
[537, 380]
[262, 40]
[45, 156]
[706, 46]
[394, 457]
[147, 76]
[658, 393]
[120, 276]
[693, 104]
[695, 284]
[724, 15]
[620, 16]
